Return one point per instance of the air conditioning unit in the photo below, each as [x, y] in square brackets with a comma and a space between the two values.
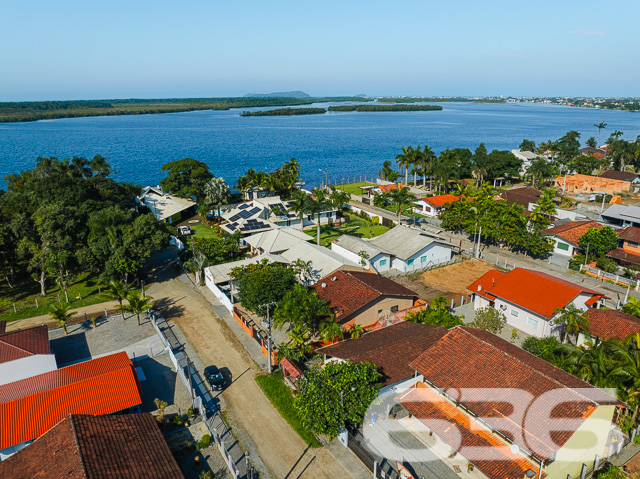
[503, 307]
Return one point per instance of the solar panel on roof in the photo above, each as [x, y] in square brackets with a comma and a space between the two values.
[235, 217]
[253, 211]
[243, 206]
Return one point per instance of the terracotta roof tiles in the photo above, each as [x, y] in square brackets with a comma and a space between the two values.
[630, 233]
[441, 200]
[24, 343]
[609, 323]
[624, 256]
[573, 231]
[619, 175]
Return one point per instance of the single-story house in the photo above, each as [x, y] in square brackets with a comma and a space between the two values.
[609, 323]
[277, 240]
[25, 353]
[633, 178]
[623, 215]
[95, 447]
[628, 250]
[166, 207]
[587, 184]
[323, 260]
[597, 152]
[413, 249]
[529, 299]
[31, 407]
[527, 157]
[566, 236]
[363, 252]
[359, 297]
[432, 205]
[525, 196]
[492, 402]
[391, 349]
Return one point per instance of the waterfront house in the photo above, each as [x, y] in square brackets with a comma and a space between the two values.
[529, 299]
[622, 215]
[566, 236]
[527, 157]
[166, 207]
[358, 297]
[31, 407]
[599, 153]
[25, 353]
[491, 402]
[276, 241]
[391, 349]
[96, 447]
[432, 205]
[628, 251]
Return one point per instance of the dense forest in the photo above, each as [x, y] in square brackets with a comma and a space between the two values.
[48, 110]
[385, 108]
[285, 112]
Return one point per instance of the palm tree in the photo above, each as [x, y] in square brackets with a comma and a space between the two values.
[137, 304]
[405, 160]
[339, 199]
[439, 303]
[117, 291]
[591, 142]
[400, 197]
[330, 330]
[632, 308]
[316, 206]
[60, 313]
[356, 331]
[546, 203]
[428, 157]
[216, 192]
[243, 184]
[386, 171]
[302, 268]
[299, 204]
[600, 126]
[573, 319]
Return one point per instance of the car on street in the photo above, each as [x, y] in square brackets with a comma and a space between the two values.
[215, 378]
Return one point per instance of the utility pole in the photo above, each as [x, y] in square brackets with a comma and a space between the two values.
[268, 305]
[604, 197]
[586, 255]
[479, 236]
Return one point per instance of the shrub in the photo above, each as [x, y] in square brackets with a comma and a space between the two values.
[608, 265]
[205, 442]
[375, 220]
[177, 420]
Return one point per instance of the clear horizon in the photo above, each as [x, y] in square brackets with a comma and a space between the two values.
[72, 50]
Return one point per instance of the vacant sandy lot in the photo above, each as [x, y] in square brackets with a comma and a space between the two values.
[450, 281]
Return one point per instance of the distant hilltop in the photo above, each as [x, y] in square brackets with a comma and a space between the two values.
[279, 94]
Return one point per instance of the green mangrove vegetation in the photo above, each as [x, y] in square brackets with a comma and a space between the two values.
[399, 107]
[285, 112]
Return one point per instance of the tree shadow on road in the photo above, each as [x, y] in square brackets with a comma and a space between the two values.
[168, 307]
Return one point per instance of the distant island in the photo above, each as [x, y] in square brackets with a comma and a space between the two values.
[285, 112]
[279, 94]
[396, 107]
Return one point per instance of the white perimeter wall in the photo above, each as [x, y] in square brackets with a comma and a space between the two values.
[208, 280]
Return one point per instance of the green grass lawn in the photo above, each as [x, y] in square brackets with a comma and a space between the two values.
[280, 396]
[203, 231]
[353, 189]
[360, 228]
[24, 295]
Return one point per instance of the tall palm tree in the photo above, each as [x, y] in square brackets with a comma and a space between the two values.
[216, 192]
[60, 313]
[573, 319]
[299, 204]
[401, 196]
[405, 160]
[339, 199]
[427, 160]
[303, 269]
[316, 206]
[386, 171]
[600, 126]
[137, 304]
[117, 291]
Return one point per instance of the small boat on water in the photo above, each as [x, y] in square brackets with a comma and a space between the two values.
[403, 472]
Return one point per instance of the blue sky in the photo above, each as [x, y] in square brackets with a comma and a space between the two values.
[54, 50]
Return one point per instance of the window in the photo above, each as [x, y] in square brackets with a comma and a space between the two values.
[379, 312]
[514, 312]
[383, 262]
[394, 309]
[410, 262]
[533, 323]
[563, 246]
[423, 259]
[632, 244]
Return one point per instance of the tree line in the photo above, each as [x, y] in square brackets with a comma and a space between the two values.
[385, 108]
[285, 112]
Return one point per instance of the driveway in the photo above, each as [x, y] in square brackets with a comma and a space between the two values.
[253, 416]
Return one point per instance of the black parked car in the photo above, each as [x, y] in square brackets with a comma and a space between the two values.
[215, 378]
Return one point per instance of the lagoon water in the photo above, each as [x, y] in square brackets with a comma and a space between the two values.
[346, 144]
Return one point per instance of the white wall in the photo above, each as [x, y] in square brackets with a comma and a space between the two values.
[368, 213]
[9, 451]
[424, 208]
[568, 252]
[208, 279]
[24, 368]
[431, 255]
[524, 320]
[371, 262]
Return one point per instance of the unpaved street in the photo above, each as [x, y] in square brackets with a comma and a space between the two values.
[281, 449]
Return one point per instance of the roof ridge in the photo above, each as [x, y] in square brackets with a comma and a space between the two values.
[504, 351]
[75, 438]
[16, 347]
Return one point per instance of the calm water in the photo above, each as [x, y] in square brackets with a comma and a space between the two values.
[347, 144]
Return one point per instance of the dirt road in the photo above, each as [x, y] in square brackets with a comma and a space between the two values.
[281, 449]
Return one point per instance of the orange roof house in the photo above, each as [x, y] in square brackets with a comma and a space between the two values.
[629, 251]
[529, 299]
[96, 447]
[388, 188]
[30, 407]
[431, 205]
[491, 402]
[586, 184]
[566, 237]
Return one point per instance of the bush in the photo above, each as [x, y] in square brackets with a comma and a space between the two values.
[375, 221]
[177, 420]
[489, 319]
[576, 262]
[606, 264]
[205, 442]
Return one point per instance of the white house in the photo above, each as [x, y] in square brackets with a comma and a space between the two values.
[166, 207]
[529, 299]
[566, 237]
[432, 205]
[25, 353]
[362, 251]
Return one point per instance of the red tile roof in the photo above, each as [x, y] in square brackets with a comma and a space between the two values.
[609, 323]
[441, 200]
[467, 362]
[391, 187]
[630, 233]
[523, 196]
[573, 231]
[24, 343]
[624, 256]
[618, 175]
[349, 291]
[391, 348]
[484, 450]
[96, 447]
[30, 407]
[535, 291]
[291, 368]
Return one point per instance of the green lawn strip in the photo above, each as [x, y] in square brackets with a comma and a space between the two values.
[24, 296]
[360, 228]
[203, 231]
[353, 189]
[280, 396]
